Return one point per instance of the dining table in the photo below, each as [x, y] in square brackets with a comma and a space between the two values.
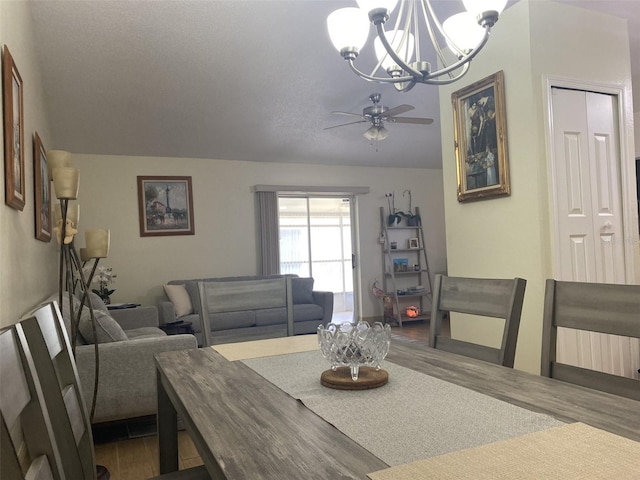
[244, 425]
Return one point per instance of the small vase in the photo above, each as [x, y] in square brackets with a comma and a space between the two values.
[106, 299]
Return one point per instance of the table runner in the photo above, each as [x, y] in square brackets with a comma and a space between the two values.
[570, 452]
[267, 347]
[413, 417]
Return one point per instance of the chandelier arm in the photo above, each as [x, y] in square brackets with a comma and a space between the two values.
[436, 81]
[387, 46]
[463, 60]
[395, 28]
[372, 78]
[426, 12]
[438, 25]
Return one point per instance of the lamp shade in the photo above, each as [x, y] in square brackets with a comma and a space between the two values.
[73, 213]
[66, 181]
[463, 30]
[368, 5]
[57, 158]
[477, 7]
[402, 44]
[348, 28]
[97, 242]
[83, 255]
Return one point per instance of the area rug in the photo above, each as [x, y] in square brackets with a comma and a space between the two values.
[414, 416]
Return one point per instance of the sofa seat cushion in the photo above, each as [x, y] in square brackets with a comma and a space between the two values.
[227, 320]
[311, 311]
[144, 332]
[271, 316]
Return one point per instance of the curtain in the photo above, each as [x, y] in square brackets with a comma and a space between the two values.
[269, 237]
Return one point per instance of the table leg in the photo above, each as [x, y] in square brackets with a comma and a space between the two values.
[167, 431]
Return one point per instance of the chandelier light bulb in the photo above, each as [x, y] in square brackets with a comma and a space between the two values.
[348, 28]
[401, 44]
[463, 30]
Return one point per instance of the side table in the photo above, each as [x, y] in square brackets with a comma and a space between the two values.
[177, 328]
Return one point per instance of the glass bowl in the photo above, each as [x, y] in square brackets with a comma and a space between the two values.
[354, 345]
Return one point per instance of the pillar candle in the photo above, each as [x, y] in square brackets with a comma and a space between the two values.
[57, 158]
[97, 243]
[66, 181]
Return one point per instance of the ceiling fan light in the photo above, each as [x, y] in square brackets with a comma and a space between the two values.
[369, 5]
[463, 30]
[382, 133]
[403, 46]
[478, 7]
[348, 28]
[376, 133]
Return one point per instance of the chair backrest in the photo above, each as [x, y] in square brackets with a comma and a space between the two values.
[51, 351]
[27, 445]
[485, 297]
[591, 307]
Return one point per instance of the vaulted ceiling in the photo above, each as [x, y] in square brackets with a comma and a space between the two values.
[249, 80]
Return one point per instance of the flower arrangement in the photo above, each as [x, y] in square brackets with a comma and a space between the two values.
[104, 276]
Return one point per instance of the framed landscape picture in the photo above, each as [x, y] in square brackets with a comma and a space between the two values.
[480, 134]
[13, 105]
[165, 206]
[42, 191]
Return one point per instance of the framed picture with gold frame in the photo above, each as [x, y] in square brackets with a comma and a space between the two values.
[13, 105]
[42, 191]
[480, 135]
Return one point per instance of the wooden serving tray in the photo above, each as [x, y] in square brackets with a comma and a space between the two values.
[340, 379]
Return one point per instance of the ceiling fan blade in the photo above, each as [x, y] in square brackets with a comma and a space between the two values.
[345, 124]
[348, 113]
[397, 110]
[417, 120]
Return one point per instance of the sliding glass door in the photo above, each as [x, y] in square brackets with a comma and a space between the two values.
[316, 241]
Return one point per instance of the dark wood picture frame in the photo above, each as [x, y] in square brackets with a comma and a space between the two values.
[13, 104]
[42, 191]
[480, 135]
[165, 206]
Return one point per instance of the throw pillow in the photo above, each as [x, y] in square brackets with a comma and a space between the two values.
[107, 329]
[97, 303]
[302, 289]
[180, 298]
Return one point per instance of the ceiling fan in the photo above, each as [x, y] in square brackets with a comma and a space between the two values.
[377, 114]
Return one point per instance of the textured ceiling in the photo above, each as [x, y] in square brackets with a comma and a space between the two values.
[225, 79]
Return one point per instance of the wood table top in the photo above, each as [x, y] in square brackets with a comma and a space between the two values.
[245, 427]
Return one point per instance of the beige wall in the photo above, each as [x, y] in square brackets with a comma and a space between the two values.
[511, 236]
[28, 265]
[225, 221]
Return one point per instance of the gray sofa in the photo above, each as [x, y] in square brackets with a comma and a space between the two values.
[128, 339]
[247, 307]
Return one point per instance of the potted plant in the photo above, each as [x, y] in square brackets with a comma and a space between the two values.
[395, 216]
[104, 278]
[413, 220]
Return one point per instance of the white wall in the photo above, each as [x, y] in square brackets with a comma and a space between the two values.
[225, 242]
[511, 236]
[29, 266]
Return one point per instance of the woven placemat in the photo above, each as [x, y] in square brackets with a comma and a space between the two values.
[267, 347]
[340, 378]
[570, 452]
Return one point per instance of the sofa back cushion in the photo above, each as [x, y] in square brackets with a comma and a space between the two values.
[107, 329]
[302, 290]
[244, 295]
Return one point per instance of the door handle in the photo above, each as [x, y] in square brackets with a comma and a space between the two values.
[353, 260]
[607, 226]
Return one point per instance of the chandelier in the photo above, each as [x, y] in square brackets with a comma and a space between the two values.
[399, 59]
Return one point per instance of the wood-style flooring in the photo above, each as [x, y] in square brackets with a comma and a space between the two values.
[137, 458]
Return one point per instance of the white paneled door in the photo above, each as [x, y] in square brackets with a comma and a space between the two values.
[589, 219]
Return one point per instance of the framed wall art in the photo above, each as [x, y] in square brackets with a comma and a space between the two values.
[166, 206]
[42, 191]
[12, 101]
[480, 134]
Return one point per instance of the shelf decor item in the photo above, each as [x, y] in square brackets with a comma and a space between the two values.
[480, 134]
[354, 346]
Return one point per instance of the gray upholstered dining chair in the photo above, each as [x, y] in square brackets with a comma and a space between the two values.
[27, 445]
[483, 297]
[589, 307]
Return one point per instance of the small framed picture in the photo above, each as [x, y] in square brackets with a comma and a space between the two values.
[13, 132]
[42, 191]
[165, 205]
[413, 243]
